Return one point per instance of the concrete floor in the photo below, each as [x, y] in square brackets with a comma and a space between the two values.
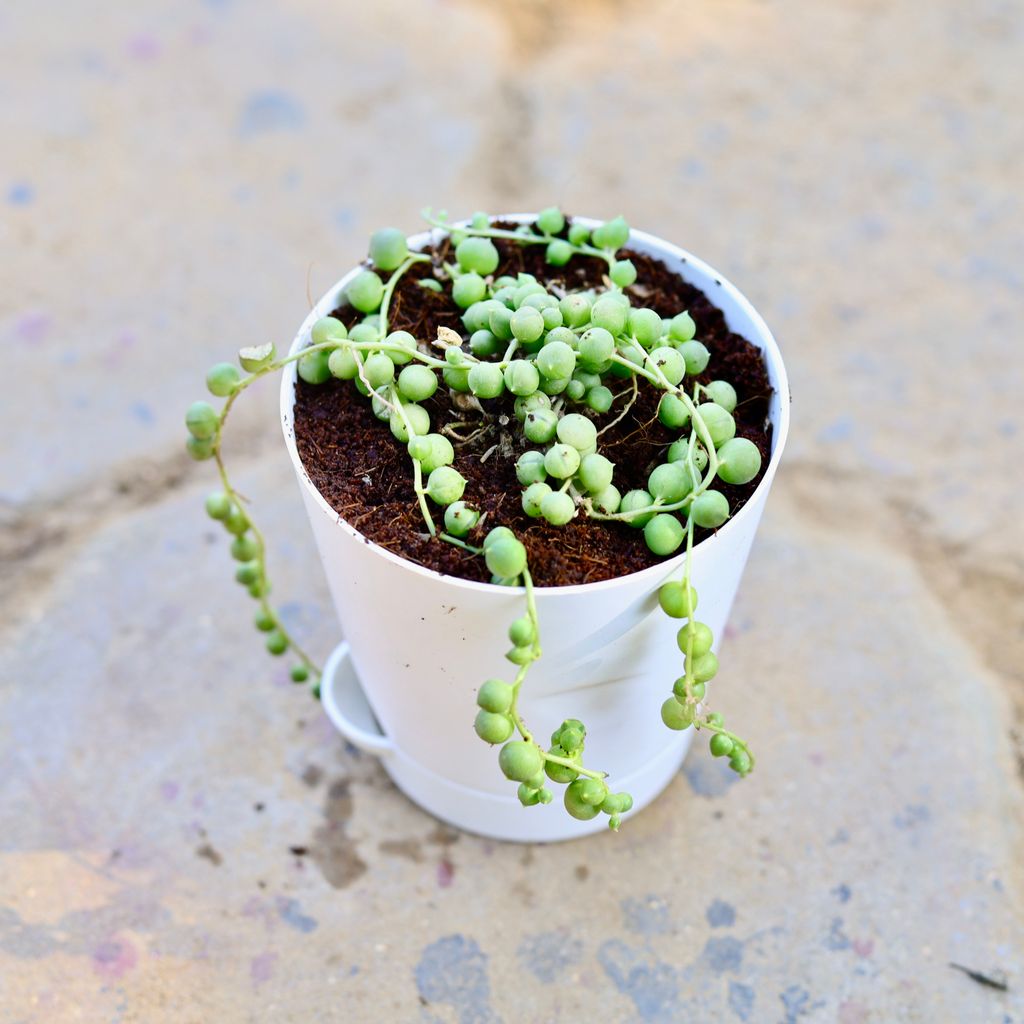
[179, 178]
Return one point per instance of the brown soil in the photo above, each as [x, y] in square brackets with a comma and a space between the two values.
[365, 474]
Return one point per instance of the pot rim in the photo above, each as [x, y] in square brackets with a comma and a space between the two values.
[666, 250]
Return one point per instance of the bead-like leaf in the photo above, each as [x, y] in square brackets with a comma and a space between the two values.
[446, 338]
[256, 357]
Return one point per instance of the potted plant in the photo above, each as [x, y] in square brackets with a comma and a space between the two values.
[531, 437]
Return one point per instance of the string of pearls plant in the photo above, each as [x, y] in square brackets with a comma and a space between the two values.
[556, 352]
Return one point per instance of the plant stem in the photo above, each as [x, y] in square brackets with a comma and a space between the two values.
[656, 376]
[691, 701]
[629, 405]
[277, 364]
[389, 288]
[237, 500]
[461, 544]
[520, 724]
[383, 346]
[535, 651]
[417, 470]
[688, 565]
[531, 239]
[656, 506]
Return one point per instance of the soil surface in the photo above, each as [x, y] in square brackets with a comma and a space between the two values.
[366, 476]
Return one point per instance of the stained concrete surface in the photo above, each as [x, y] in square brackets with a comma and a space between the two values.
[183, 836]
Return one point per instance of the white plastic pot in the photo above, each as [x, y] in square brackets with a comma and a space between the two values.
[419, 644]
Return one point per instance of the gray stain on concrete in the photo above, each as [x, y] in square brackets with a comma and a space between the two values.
[547, 954]
[842, 892]
[720, 914]
[291, 913]
[453, 972]
[647, 916]
[707, 776]
[796, 1003]
[723, 953]
[741, 999]
[837, 940]
[911, 816]
[650, 983]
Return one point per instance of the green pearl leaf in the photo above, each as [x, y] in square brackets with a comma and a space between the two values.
[254, 358]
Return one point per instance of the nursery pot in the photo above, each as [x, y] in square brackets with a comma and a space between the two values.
[418, 644]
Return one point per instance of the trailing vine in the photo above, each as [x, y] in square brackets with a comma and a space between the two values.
[560, 355]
